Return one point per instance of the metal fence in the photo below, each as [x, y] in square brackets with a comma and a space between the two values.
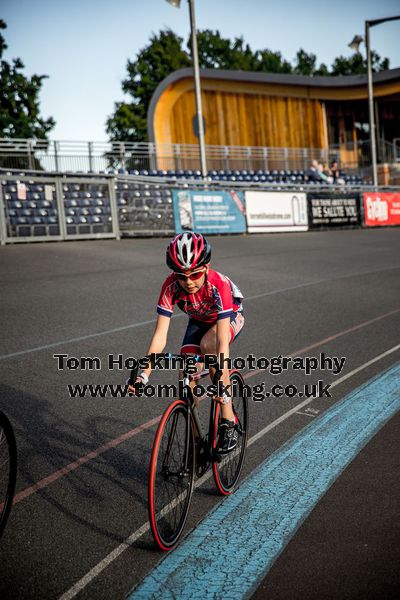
[102, 157]
[35, 208]
[45, 207]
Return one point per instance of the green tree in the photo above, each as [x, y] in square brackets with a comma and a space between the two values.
[19, 100]
[357, 64]
[272, 62]
[163, 55]
[216, 52]
[306, 64]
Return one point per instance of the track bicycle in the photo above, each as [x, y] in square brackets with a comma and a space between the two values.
[182, 449]
[8, 469]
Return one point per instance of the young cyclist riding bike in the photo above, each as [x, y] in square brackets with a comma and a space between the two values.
[213, 304]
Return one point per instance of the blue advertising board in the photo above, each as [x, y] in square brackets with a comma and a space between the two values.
[209, 211]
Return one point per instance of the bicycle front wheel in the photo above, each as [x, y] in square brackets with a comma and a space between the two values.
[227, 470]
[8, 469]
[171, 475]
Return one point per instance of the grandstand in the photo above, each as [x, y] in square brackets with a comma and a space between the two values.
[74, 190]
[245, 109]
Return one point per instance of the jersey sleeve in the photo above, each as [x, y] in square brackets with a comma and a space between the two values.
[166, 300]
[223, 297]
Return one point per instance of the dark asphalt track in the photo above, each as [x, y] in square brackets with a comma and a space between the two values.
[301, 289]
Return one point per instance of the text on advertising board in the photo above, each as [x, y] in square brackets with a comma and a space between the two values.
[329, 210]
[276, 211]
[381, 208]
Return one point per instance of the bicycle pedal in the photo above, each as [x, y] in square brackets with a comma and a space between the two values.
[217, 457]
[202, 464]
[201, 469]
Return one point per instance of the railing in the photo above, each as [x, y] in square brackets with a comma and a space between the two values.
[75, 156]
[101, 157]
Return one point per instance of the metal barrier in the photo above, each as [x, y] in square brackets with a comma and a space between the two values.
[37, 208]
[144, 206]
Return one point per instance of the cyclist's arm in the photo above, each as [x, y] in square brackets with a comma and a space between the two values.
[159, 339]
[223, 337]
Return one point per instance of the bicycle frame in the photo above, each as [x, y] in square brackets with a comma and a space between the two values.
[187, 397]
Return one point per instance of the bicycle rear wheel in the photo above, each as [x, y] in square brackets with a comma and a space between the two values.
[8, 469]
[170, 482]
[227, 470]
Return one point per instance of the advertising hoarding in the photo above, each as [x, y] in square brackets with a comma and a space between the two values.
[333, 210]
[381, 208]
[209, 211]
[276, 211]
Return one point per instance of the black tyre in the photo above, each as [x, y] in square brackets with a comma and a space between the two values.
[170, 483]
[8, 469]
[228, 467]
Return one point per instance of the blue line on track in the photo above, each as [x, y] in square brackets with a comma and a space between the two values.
[233, 548]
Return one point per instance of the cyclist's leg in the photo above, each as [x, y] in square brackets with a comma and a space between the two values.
[191, 344]
[208, 345]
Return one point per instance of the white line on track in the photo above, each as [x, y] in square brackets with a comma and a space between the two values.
[103, 564]
[141, 323]
[82, 338]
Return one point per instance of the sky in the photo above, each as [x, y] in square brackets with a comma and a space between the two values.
[83, 45]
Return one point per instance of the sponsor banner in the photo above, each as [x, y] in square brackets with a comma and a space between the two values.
[329, 210]
[276, 211]
[381, 208]
[209, 211]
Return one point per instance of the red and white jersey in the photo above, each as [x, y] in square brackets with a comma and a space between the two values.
[217, 299]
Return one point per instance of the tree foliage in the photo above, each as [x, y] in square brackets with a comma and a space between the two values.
[165, 53]
[19, 100]
[216, 52]
[357, 64]
[161, 57]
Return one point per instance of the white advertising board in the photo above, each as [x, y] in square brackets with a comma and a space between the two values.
[276, 211]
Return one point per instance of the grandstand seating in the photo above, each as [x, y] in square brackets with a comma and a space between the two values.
[144, 206]
[141, 205]
[37, 215]
[274, 177]
[86, 206]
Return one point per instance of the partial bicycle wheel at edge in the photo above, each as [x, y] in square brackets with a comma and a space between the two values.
[8, 469]
[227, 471]
[170, 483]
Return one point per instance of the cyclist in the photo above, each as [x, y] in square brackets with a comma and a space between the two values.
[213, 304]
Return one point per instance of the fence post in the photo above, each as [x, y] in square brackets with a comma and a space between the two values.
[113, 206]
[57, 164]
[90, 150]
[286, 158]
[226, 158]
[3, 230]
[249, 159]
[152, 156]
[177, 152]
[122, 155]
[30, 150]
[265, 157]
[305, 158]
[60, 207]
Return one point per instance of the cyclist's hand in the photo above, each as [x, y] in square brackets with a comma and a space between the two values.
[136, 388]
[224, 399]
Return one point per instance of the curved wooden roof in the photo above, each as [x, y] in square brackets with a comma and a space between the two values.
[179, 83]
